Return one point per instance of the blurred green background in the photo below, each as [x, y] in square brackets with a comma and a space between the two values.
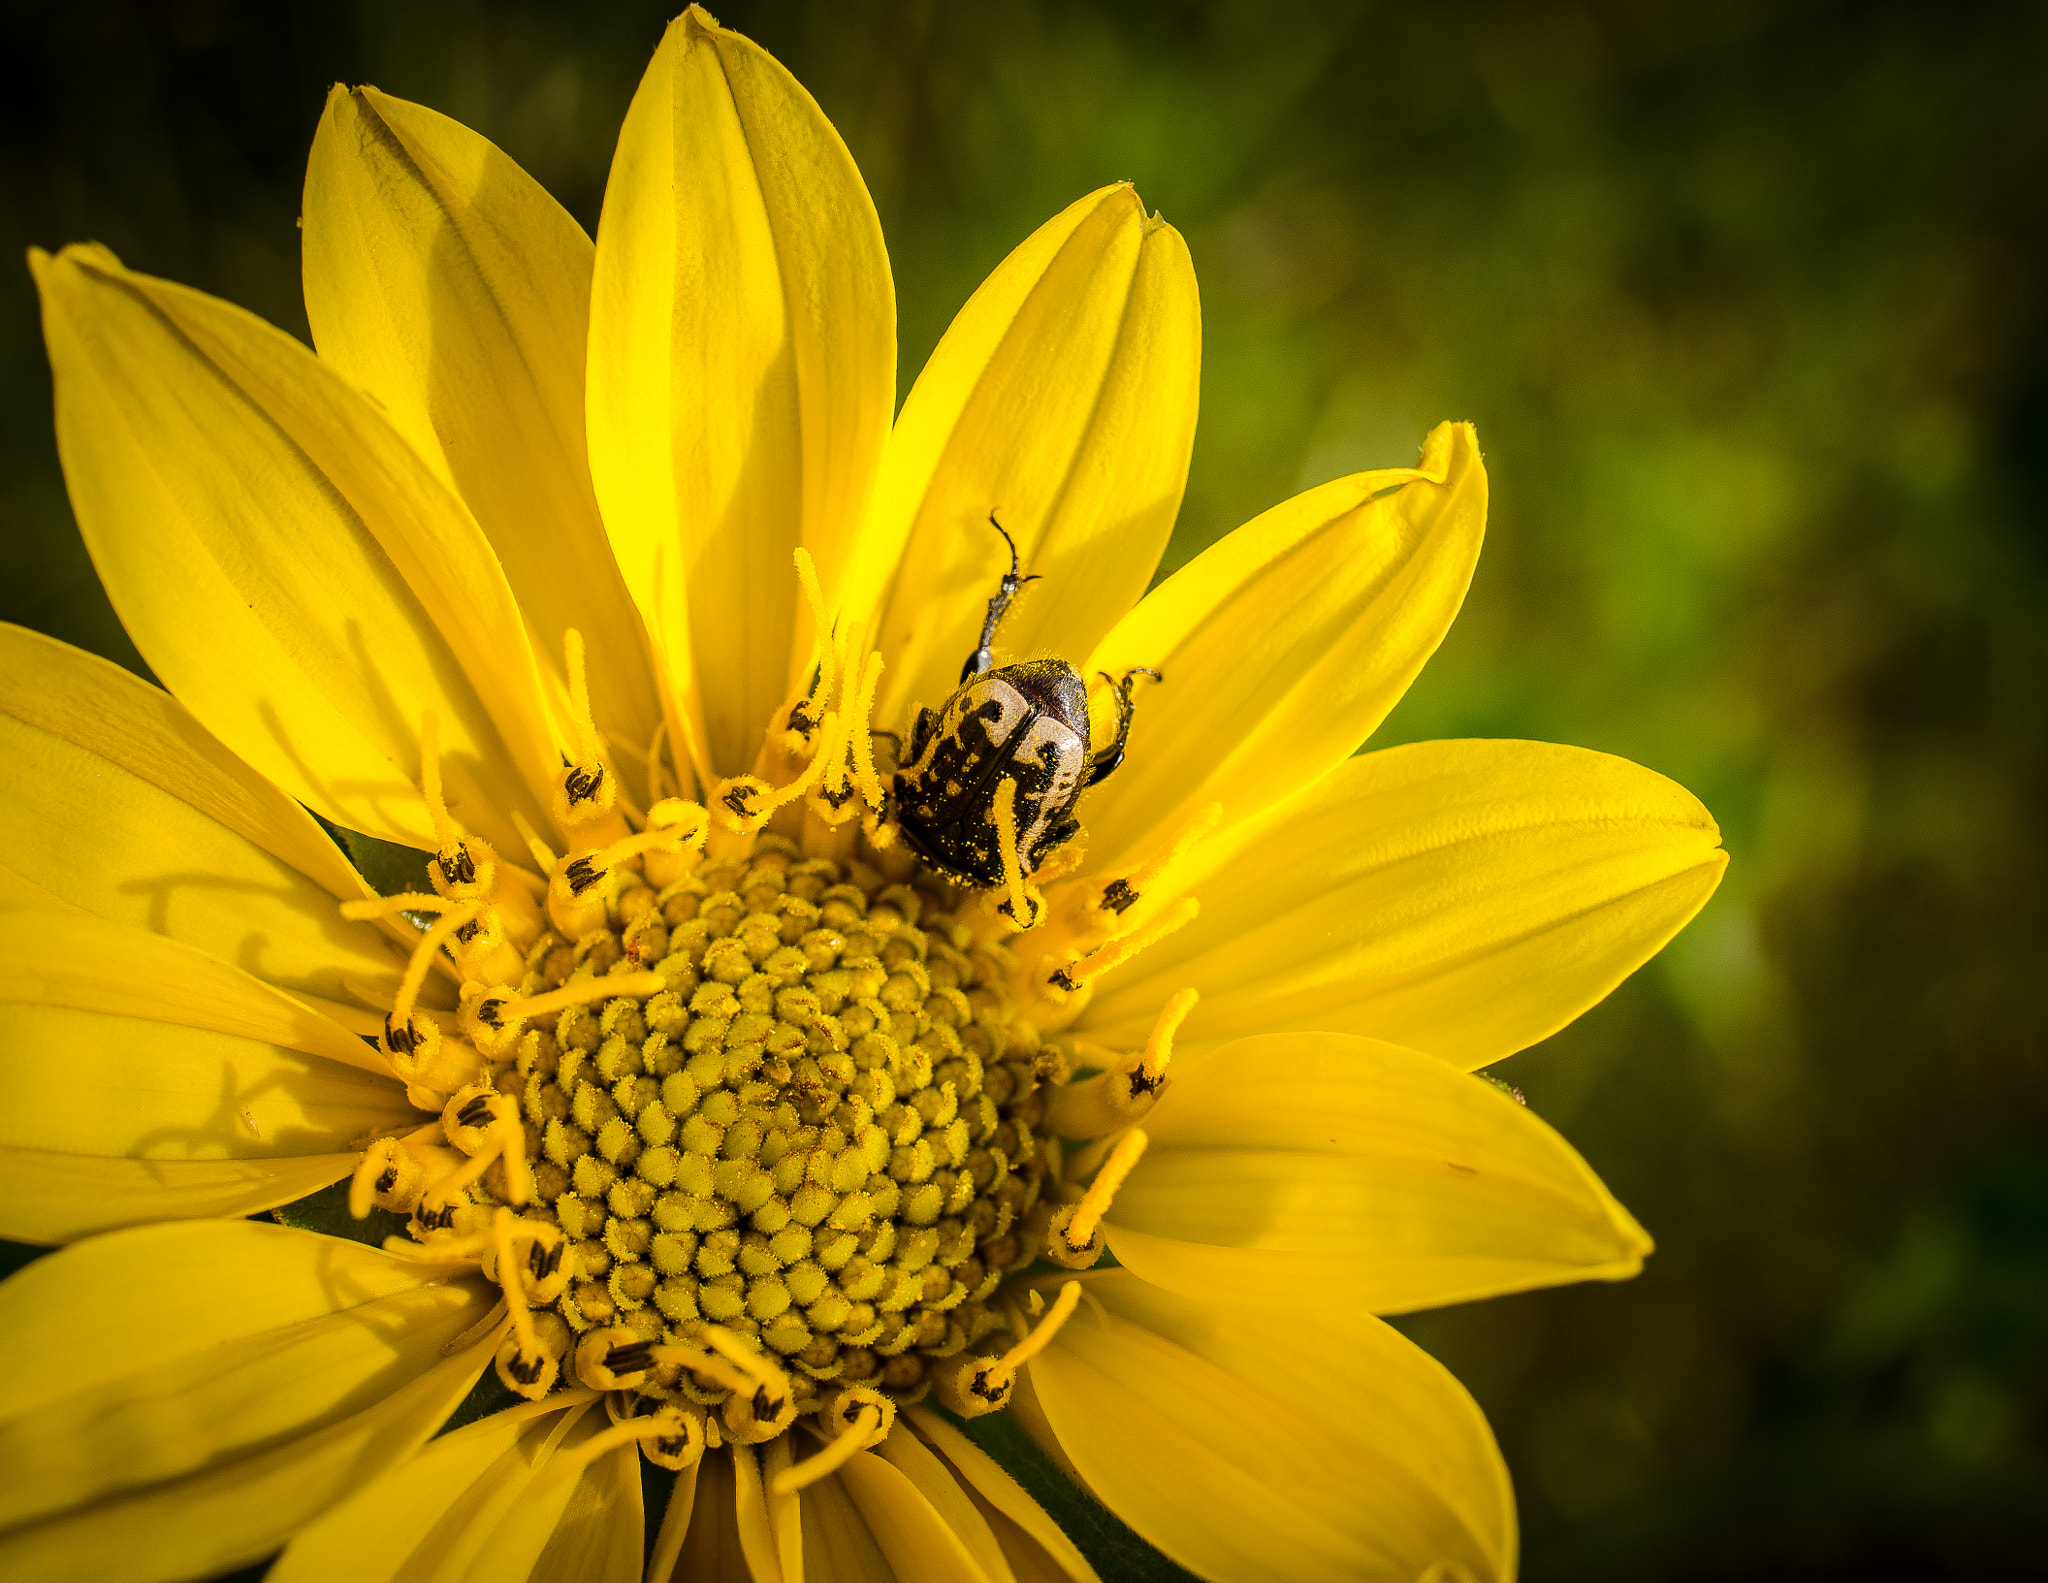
[1747, 301]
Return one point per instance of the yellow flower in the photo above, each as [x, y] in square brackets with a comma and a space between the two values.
[729, 1134]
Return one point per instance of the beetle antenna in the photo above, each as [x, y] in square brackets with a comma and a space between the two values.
[983, 658]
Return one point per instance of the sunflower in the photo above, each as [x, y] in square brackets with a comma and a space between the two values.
[720, 1118]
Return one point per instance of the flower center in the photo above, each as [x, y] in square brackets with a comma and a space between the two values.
[815, 1127]
[750, 1118]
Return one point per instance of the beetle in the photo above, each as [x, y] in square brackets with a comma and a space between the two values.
[1026, 722]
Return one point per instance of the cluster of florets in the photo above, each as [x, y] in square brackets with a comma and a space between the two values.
[823, 1136]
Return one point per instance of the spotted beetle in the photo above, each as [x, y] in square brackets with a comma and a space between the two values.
[1027, 722]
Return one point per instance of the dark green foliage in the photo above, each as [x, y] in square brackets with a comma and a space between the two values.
[1748, 304]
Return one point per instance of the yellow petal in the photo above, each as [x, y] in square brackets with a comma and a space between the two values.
[282, 558]
[750, 1508]
[1371, 1176]
[675, 1524]
[742, 367]
[1284, 646]
[916, 1539]
[46, 1196]
[430, 1515]
[943, 1492]
[1464, 898]
[204, 1389]
[711, 1551]
[837, 1546]
[1275, 1448]
[447, 283]
[75, 960]
[113, 797]
[592, 1529]
[991, 1485]
[126, 1046]
[1062, 399]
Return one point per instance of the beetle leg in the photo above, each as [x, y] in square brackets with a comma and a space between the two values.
[1100, 766]
[983, 658]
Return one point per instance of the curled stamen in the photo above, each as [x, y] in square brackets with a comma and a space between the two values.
[687, 824]
[454, 915]
[862, 1417]
[1075, 1235]
[1119, 1096]
[765, 1410]
[532, 1371]
[503, 1139]
[669, 1423]
[708, 1364]
[982, 1385]
[387, 1177]
[736, 1351]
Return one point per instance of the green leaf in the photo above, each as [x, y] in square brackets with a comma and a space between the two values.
[1115, 1552]
[327, 1213]
[388, 867]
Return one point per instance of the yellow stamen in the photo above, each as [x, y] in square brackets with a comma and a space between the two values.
[1074, 1237]
[711, 1366]
[1119, 951]
[1095, 1204]
[759, 1369]
[445, 832]
[1119, 1096]
[688, 825]
[589, 989]
[511, 1282]
[580, 721]
[453, 916]
[652, 839]
[475, 1332]
[863, 1418]
[822, 643]
[657, 776]
[670, 1423]
[1120, 893]
[782, 796]
[982, 1385]
[404, 901]
[462, 1248]
[543, 854]
[1062, 862]
[1149, 1073]
[1018, 907]
[860, 737]
[386, 1160]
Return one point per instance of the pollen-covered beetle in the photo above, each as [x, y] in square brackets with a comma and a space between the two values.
[1027, 723]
